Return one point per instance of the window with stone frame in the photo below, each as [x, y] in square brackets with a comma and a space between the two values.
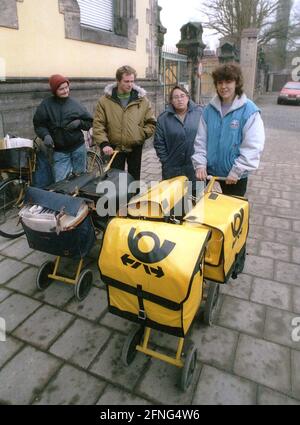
[97, 14]
[123, 27]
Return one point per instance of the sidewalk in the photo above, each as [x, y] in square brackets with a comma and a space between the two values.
[61, 351]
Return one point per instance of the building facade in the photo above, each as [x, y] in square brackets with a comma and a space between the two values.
[86, 40]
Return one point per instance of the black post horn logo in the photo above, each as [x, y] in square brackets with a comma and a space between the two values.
[158, 253]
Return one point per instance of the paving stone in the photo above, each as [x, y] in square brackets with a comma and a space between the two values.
[272, 293]
[285, 213]
[57, 294]
[9, 269]
[117, 397]
[109, 365]
[92, 306]
[296, 300]
[43, 326]
[239, 288]
[252, 246]
[71, 386]
[161, 384]
[115, 322]
[270, 397]
[242, 315]
[25, 375]
[216, 345]
[256, 219]
[18, 249]
[287, 237]
[296, 226]
[291, 195]
[287, 273]
[37, 258]
[216, 387]
[259, 266]
[25, 281]
[269, 193]
[281, 203]
[261, 233]
[4, 293]
[16, 308]
[295, 374]
[263, 362]
[81, 342]
[5, 242]
[166, 341]
[296, 254]
[274, 250]
[8, 348]
[278, 223]
[259, 184]
[278, 328]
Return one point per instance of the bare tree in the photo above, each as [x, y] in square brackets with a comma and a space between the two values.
[231, 17]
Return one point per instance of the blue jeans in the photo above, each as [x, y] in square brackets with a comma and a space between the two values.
[66, 162]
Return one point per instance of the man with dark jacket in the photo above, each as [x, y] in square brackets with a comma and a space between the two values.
[58, 121]
[123, 121]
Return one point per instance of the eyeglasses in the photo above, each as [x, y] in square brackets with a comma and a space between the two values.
[182, 96]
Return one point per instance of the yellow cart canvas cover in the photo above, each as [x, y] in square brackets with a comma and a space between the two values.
[153, 272]
[228, 218]
[161, 200]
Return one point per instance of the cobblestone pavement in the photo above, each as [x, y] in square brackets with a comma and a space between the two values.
[61, 351]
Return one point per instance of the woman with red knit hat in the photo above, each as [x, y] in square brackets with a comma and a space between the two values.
[58, 121]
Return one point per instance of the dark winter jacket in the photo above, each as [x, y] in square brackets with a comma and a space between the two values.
[54, 114]
[174, 141]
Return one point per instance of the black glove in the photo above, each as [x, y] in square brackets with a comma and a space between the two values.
[73, 125]
[48, 141]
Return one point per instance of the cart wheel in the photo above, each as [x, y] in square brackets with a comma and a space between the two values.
[129, 347]
[42, 279]
[211, 302]
[83, 286]
[188, 368]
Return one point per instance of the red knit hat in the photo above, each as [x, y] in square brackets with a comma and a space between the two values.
[56, 80]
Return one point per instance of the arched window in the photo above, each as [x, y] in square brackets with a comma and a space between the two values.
[97, 14]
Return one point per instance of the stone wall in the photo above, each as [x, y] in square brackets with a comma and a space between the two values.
[19, 99]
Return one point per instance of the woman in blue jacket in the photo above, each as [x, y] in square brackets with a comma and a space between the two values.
[175, 134]
[231, 135]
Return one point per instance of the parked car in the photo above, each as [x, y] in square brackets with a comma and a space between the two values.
[290, 93]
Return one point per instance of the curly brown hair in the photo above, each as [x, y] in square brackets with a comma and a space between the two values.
[229, 72]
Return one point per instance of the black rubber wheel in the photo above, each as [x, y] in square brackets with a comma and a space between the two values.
[94, 163]
[188, 368]
[83, 286]
[129, 347]
[42, 279]
[11, 197]
[211, 302]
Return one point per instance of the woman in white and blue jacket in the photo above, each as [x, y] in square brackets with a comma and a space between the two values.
[230, 136]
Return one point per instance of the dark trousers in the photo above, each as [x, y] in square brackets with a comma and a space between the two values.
[238, 189]
[133, 158]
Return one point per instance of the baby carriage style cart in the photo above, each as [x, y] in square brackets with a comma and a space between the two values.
[159, 270]
[59, 225]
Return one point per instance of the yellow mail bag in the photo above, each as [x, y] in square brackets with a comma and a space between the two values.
[160, 201]
[154, 272]
[228, 219]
